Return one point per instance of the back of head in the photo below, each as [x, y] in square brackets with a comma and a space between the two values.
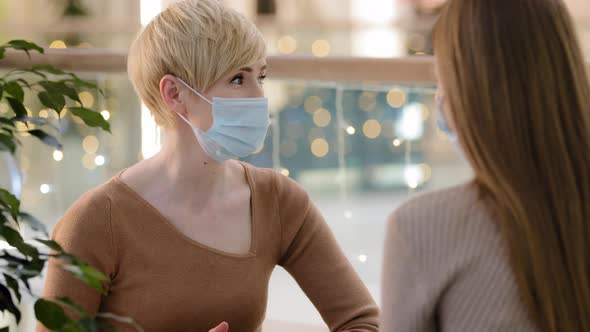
[199, 41]
[518, 96]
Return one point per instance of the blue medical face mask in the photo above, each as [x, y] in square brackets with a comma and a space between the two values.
[441, 121]
[239, 126]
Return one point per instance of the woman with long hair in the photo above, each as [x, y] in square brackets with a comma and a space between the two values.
[509, 251]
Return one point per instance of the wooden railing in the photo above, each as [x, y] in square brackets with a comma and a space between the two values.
[411, 70]
[348, 69]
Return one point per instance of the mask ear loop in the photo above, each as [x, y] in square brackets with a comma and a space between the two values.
[195, 91]
[198, 94]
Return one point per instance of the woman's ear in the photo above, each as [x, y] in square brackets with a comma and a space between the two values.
[171, 94]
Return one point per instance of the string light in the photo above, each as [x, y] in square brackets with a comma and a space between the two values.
[58, 155]
[348, 214]
[350, 130]
[285, 172]
[320, 48]
[99, 160]
[363, 258]
[87, 98]
[410, 126]
[45, 189]
[397, 142]
[414, 175]
[90, 144]
[372, 129]
[106, 114]
[322, 117]
[396, 98]
[287, 44]
[58, 44]
[320, 147]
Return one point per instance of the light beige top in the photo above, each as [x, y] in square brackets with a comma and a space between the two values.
[168, 282]
[446, 268]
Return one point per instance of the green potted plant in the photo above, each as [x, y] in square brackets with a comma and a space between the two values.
[56, 90]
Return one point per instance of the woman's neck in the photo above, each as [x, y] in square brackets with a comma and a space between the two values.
[183, 164]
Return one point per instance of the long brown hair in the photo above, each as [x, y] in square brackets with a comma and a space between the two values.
[518, 96]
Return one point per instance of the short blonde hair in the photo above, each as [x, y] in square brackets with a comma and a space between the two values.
[199, 41]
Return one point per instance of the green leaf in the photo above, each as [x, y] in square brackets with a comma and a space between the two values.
[49, 69]
[30, 70]
[11, 202]
[23, 45]
[4, 329]
[53, 101]
[46, 138]
[30, 251]
[6, 303]
[15, 90]
[7, 143]
[51, 244]
[11, 236]
[66, 301]
[50, 314]
[93, 273]
[2, 54]
[17, 106]
[13, 284]
[88, 324]
[36, 264]
[90, 276]
[79, 83]
[60, 88]
[7, 121]
[91, 118]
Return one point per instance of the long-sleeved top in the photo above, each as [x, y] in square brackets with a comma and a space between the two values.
[446, 268]
[167, 282]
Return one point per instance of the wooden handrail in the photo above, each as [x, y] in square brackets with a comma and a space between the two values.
[411, 70]
[347, 69]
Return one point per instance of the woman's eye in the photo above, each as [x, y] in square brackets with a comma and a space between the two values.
[238, 79]
[261, 79]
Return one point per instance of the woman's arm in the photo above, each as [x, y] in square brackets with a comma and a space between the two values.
[312, 256]
[85, 232]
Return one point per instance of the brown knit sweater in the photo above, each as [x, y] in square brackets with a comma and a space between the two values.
[167, 282]
[446, 268]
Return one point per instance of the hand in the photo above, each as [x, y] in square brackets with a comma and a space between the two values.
[223, 327]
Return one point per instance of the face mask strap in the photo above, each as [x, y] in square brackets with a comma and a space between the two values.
[195, 91]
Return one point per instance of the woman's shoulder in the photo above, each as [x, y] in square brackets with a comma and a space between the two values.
[459, 199]
[273, 180]
[92, 208]
[452, 214]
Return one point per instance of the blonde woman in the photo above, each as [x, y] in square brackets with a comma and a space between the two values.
[189, 238]
[510, 250]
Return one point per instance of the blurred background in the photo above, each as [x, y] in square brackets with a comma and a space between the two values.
[358, 145]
